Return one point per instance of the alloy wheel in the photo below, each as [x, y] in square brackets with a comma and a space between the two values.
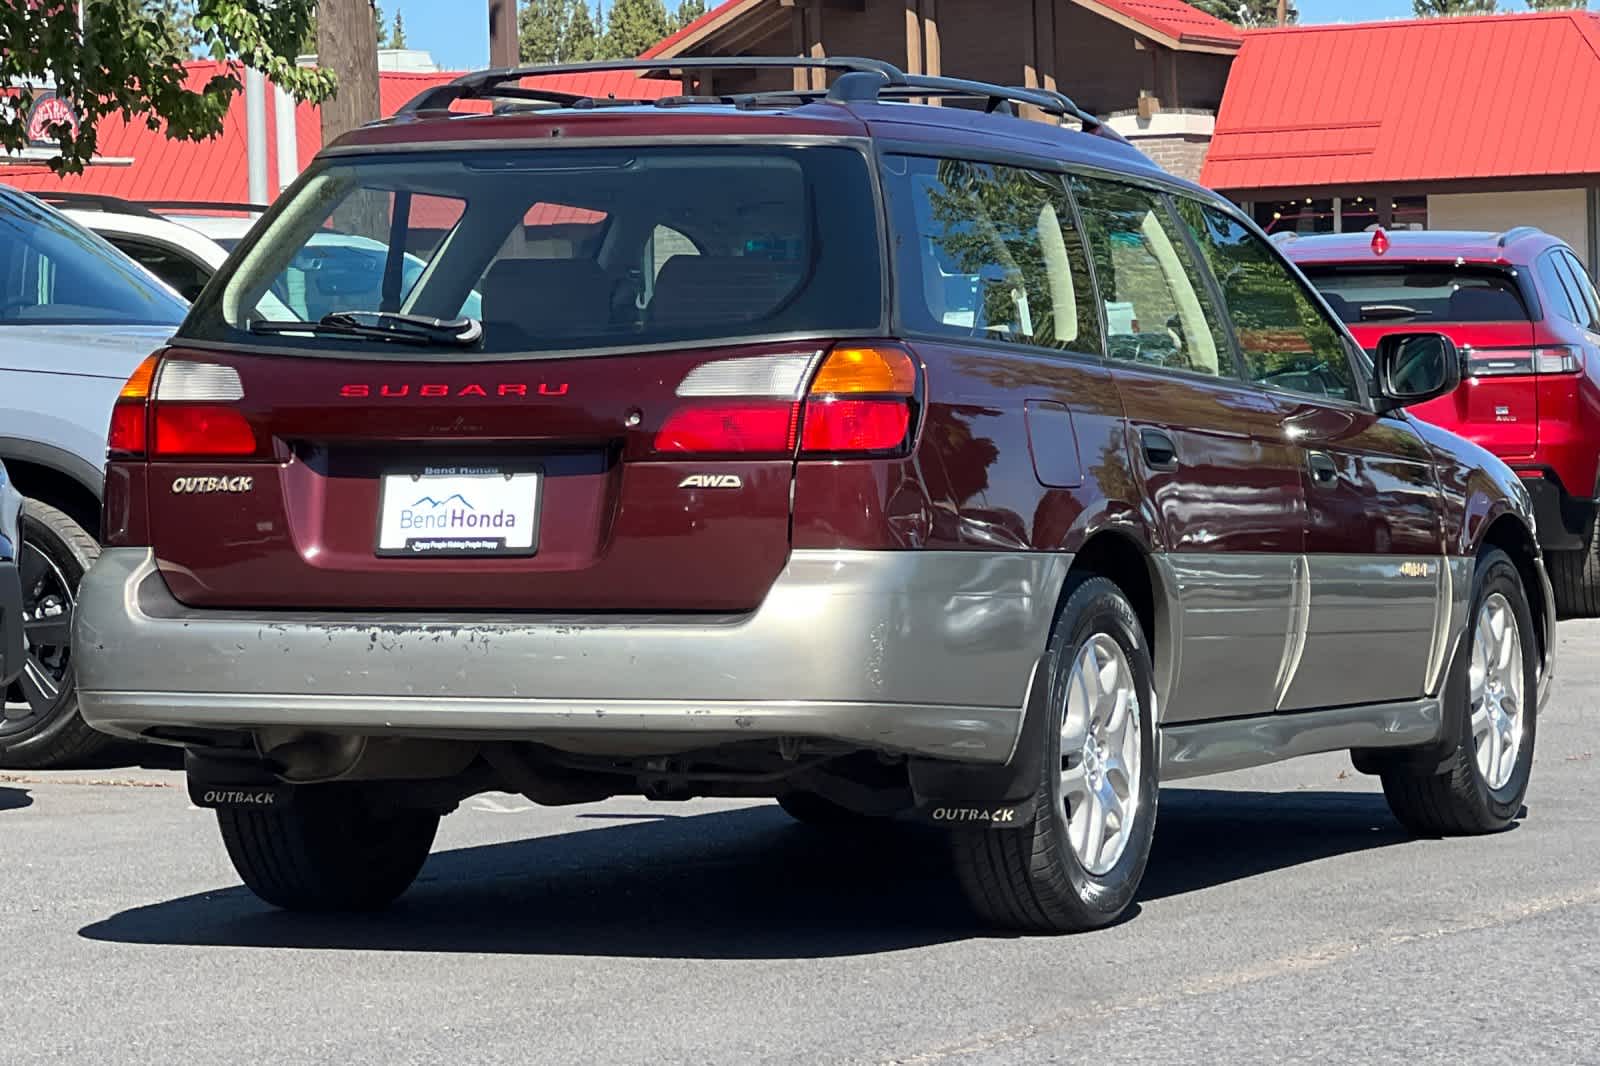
[1496, 679]
[1101, 754]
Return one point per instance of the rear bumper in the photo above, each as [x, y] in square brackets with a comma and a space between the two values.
[1564, 521]
[927, 653]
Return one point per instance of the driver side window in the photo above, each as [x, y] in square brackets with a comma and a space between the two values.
[1286, 340]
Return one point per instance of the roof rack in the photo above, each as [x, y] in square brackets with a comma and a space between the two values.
[1517, 233]
[90, 201]
[860, 81]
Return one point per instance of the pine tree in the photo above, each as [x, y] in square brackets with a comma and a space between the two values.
[687, 12]
[558, 31]
[635, 25]
[381, 25]
[1427, 9]
[397, 36]
[1556, 5]
[584, 33]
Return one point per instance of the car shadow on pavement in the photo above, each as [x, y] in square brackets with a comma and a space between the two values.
[14, 799]
[745, 883]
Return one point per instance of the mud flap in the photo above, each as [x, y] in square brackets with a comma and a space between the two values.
[217, 784]
[997, 797]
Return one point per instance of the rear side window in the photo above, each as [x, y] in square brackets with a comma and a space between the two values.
[54, 272]
[990, 251]
[186, 276]
[1557, 290]
[1286, 340]
[1158, 310]
[569, 248]
[1420, 293]
[1583, 291]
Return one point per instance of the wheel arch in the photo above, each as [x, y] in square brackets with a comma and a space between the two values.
[1512, 535]
[67, 482]
[1120, 558]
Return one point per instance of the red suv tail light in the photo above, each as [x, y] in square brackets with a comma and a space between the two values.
[178, 409]
[861, 401]
[1504, 362]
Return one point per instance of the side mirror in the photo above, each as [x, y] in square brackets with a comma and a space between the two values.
[1414, 368]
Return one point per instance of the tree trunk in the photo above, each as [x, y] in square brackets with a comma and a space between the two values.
[347, 44]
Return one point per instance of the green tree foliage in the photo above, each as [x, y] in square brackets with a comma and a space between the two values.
[1248, 13]
[1427, 9]
[558, 31]
[129, 62]
[178, 16]
[687, 12]
[1557, 5]
[635, 25]
[397, 36]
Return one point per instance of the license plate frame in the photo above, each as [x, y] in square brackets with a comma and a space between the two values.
[440, 484]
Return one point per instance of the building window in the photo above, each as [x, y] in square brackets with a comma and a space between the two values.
[1341, 214]
[1306, 215]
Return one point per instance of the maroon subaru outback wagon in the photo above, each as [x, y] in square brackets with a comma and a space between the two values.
[880, 457]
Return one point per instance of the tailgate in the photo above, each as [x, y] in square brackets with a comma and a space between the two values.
[516, 485]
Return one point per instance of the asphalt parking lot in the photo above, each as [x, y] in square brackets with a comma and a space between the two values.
[1284, 918]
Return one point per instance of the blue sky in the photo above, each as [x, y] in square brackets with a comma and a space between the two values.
[457, 31]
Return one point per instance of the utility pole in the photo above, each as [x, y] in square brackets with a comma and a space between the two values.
[347, 44]
[504, 48]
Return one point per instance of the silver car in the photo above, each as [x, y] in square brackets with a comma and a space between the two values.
[76, 318]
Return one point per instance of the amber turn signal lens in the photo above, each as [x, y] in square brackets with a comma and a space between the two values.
[882, 371]
[138, 385]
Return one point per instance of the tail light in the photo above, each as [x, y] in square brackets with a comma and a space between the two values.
[861, 400]
[178, 409]
[1505, 362]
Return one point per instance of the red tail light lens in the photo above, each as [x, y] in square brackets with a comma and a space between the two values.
[201, 430]
[841, 425]
[743, 427]
[1507, 362]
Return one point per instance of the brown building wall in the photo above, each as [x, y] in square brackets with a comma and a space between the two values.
[1180, 155]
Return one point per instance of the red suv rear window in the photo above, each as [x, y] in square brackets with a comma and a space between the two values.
[1420, 293]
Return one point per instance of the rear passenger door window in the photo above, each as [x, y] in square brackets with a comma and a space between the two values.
[1556, 289]
[990, 251]
[1157, 306]
[1287, 341]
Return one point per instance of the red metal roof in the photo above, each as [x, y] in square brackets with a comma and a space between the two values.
[1409, 101]
[216, 171]
[1175, 20]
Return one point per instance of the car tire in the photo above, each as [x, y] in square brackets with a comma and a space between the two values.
[42, 729]
[1049, 875]
[1479, 788]
[327, 850]
[1575, 578]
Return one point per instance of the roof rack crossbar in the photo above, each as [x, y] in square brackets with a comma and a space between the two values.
[484, 83]
[93, 201]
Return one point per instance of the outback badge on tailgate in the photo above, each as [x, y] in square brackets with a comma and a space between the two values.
[212, 484]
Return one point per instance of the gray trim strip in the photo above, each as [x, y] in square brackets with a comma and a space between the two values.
[1236, 744]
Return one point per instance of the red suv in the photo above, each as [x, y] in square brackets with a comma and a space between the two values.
[1523, 310]
[877, 457]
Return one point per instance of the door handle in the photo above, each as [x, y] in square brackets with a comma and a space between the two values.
[1323, 471]
[1160, 453]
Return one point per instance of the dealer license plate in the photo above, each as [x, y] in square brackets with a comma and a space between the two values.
[456, 511]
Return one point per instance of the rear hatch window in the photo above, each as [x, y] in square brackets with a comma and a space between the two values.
[1423, 294]
[563, 249]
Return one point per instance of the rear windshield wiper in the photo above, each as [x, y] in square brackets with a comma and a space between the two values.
[383, 326]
